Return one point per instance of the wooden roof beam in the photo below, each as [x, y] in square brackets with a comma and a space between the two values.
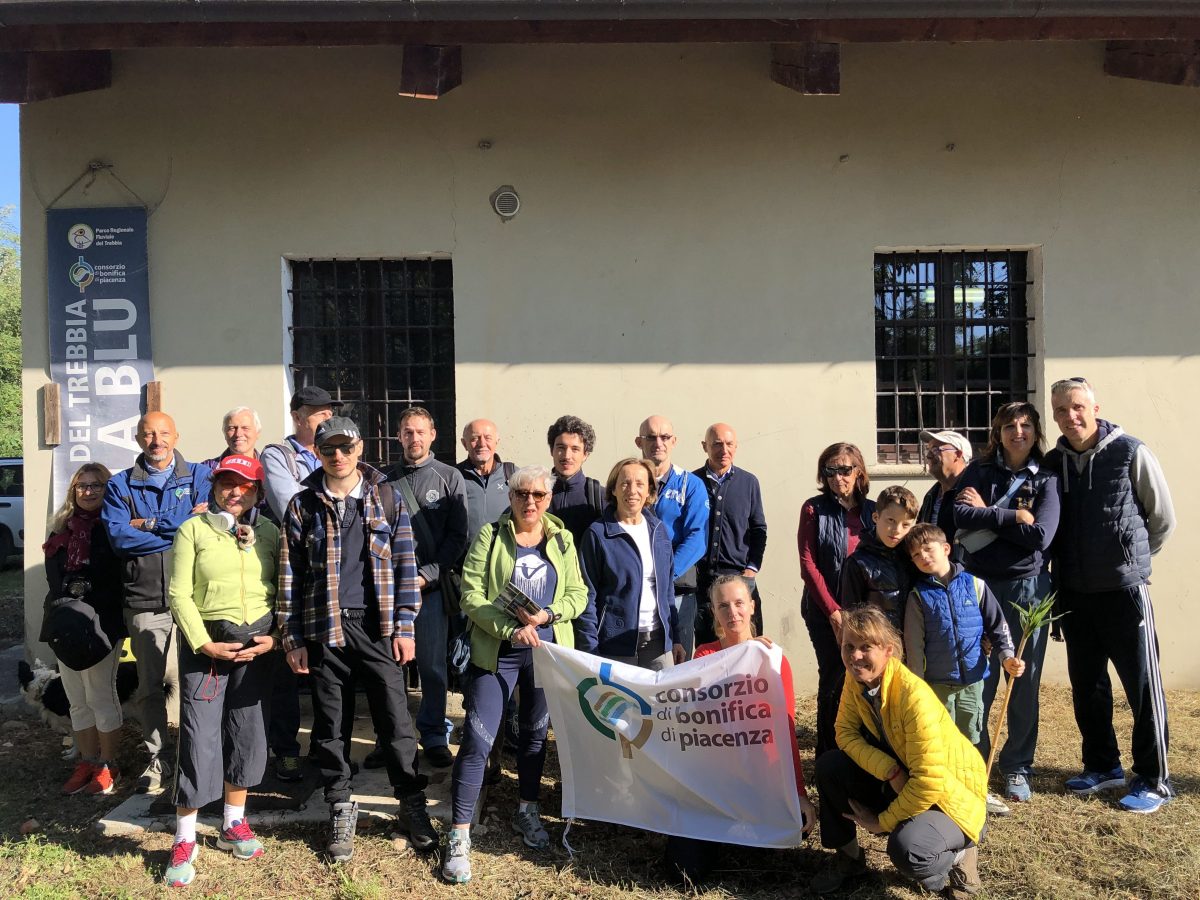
[1166, 62]
[29, 77]
[428, 72]
[810, 68]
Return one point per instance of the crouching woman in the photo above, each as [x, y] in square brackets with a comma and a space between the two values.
[902, 769]
[223, 600]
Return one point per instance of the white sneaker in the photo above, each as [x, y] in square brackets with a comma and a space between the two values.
[996, 806]
[457, 867]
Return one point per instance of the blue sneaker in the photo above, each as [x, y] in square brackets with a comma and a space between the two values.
[1090, 782]
[1017, 788]
[1142, 798]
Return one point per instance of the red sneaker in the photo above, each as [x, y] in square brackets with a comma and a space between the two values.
[103, 779]
[79, 778]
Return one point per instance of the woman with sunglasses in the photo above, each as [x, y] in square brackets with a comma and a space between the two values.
[80, 563]
[529, 557]
[223, 600]
[831, 524]
[627, 562]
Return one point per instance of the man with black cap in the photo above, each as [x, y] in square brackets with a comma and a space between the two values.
[347, 609]
[290, 462]
[286, 465]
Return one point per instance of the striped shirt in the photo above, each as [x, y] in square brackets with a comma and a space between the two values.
[310, 557]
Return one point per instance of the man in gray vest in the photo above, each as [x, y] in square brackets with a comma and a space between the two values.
[436, 500]
[1116, 514]
[485, 475]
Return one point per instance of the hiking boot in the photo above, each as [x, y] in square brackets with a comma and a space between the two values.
[412, 819]
[79, 778]
[456, 868]
[439, 757]
[528, 825]
[964, 874]
[287, 768]
[1090, 782]
[104, 778]
[343, 817]
[375, 759]
[1143, 799]
[241, 840]
[180, 870]
[1017, 788]
[842, 869]
[996, 806]
[155, 775]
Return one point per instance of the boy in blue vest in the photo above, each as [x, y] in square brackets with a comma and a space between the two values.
[949, 616]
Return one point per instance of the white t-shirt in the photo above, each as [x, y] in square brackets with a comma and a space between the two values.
[648, 607]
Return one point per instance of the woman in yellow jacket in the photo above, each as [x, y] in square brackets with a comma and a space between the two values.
[902, 769]
[223, 600]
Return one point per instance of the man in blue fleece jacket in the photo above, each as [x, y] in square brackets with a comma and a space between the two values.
[682, 506]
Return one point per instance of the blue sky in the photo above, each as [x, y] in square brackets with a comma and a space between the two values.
[10, 167]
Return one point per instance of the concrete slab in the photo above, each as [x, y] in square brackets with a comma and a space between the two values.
[371, 789]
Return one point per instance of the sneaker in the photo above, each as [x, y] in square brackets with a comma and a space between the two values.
[241, 840]
[1090, 782]
[79, 778]
[375, 759]
[439, 757]
[964, 874]
[104, 778]
[456, 868]
[996, 806]
[413, 820]
[180, 870]
[842, 869]
[1017, 788]
[1143, 799]
[343, 818]
[155, 774]
[528, 825]
[287, 768]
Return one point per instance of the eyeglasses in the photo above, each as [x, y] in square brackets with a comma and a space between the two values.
[330, 450]
[89, 487]
[538, 496]
[938, 451]
[658, 438]
[830, 471]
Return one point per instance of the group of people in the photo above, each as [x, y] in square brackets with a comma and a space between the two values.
[353, 573]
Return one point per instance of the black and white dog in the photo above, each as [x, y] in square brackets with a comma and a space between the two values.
[43, 690]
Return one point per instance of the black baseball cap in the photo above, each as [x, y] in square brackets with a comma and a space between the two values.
[336, 426]
[311, 395]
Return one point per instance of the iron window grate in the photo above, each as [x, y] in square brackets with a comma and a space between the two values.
[378, 334]
[952, 343]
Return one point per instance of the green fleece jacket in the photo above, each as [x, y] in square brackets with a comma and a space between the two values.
[483, 580]
[213, 579]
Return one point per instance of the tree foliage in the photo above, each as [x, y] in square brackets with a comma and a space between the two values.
[10, 335]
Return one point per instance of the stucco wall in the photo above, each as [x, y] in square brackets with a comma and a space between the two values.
[691, 242]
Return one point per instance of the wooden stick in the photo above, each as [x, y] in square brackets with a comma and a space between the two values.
[1008, 689]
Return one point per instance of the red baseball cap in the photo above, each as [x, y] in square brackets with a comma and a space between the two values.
[246, 467]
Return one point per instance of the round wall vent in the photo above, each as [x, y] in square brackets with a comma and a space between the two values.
[505, 202]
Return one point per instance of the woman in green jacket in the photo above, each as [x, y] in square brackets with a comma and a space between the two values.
[223, 600]
[527, 552]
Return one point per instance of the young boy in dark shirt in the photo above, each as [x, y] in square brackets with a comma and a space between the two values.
[878, 572]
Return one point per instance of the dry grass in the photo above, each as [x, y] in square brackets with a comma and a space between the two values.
[1054, 847]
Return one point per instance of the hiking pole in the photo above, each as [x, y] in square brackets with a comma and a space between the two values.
[1032, 619]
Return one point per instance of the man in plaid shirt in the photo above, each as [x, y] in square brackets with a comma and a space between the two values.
[348, 600]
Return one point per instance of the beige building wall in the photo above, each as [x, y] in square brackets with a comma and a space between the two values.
[694, 241]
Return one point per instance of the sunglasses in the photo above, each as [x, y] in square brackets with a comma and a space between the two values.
[330, 450]
[239, 487]
[830, 471]
[538, 496]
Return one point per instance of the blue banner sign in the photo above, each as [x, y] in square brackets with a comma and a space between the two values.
[100, 354]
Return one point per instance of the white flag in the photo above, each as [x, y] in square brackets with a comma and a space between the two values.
[701, 750]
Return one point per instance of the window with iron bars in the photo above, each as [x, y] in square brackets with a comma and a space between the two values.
[952, 344]
[378, 334]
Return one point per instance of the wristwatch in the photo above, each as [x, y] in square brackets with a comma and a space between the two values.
[149, 524]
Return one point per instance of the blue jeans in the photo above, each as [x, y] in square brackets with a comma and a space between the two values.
[685, 606]
[433, 635]
[1016, 756]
